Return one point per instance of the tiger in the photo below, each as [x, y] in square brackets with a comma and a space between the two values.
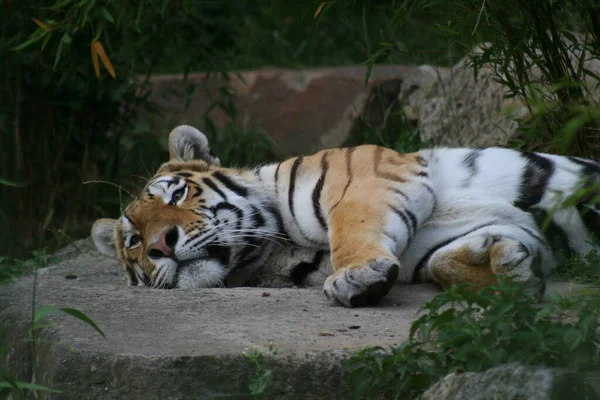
[356, 220]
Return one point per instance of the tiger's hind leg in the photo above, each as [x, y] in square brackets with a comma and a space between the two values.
[477, 258]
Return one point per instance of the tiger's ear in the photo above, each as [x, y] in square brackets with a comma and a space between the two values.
[187, 143]
[103, 236]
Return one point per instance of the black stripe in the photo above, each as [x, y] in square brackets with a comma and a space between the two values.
[132, 276]
[293, 172]
[277, 180]
[230, 184]
[316, 194]
[198, 191]
[432, 193]
[301, 271]
[413, 219]
[591, 218]
[377, 154]
[208, 182]
[239, 213]
[218, 252]
[590, 167]
[470, 162]
[274, 212]
[248, 255]
[416, 278]
[257, 218]
[349, 152]
[409, 227]
[534, 179]
[145, 279]
[398, 192]
[184, 174]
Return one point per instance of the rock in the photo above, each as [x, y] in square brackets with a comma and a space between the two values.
[514, 382]
[175, 344]
[461, 109]
[302, 110]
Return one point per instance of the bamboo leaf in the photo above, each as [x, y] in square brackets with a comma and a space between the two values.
[10, 183]
[41, 312]
[95, 62]
[27, 386]
[58, 53]
[42, 25]
[104, 58]
[35, 36]
[319, 9]
[83, 318]
[107, 15]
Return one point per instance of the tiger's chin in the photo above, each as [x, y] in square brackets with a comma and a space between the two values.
[200, 273]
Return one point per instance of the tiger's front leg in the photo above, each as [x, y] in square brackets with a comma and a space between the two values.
[366, 235]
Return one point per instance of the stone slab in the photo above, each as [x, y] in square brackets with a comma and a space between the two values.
[174, 344]
[192, 341]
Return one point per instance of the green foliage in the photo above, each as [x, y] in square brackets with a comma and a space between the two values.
[581, 269]
[263, 376]
[462, 330]
[61, 124]
[11, 269]
[395, 132]
[39, 322]
[531, 47]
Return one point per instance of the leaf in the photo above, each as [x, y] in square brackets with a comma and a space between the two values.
[319, 9]
[10, 183]
[104, 58]
[41, 312]
[60, 4]
[27, 386]
[42, 25]
[66, 39]
[35, 36]
[107, 15]
[83, 318]
[95, 60]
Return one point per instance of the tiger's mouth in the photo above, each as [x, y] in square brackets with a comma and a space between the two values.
[206, 271]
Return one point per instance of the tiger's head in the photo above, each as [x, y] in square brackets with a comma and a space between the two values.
[195, 224]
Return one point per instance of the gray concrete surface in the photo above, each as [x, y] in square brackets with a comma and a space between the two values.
[175, 344]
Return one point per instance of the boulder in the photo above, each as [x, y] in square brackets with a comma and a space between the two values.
[515, 382]
[302, 110]
[461, 108]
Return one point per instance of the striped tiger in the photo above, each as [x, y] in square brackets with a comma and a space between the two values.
[356, 220]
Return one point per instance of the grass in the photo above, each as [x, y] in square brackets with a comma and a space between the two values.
[38, 322]
[460, 331]
[582, 269]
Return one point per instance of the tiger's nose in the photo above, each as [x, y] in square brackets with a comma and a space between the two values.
[165, 245]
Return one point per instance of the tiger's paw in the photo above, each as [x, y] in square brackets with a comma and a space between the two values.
[362, 285]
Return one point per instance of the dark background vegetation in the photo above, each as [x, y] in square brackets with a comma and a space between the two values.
[65, 121]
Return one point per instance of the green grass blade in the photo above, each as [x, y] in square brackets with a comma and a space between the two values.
[83, 318]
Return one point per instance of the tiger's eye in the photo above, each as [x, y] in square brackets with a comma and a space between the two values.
[177, 195]
[135, 239]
